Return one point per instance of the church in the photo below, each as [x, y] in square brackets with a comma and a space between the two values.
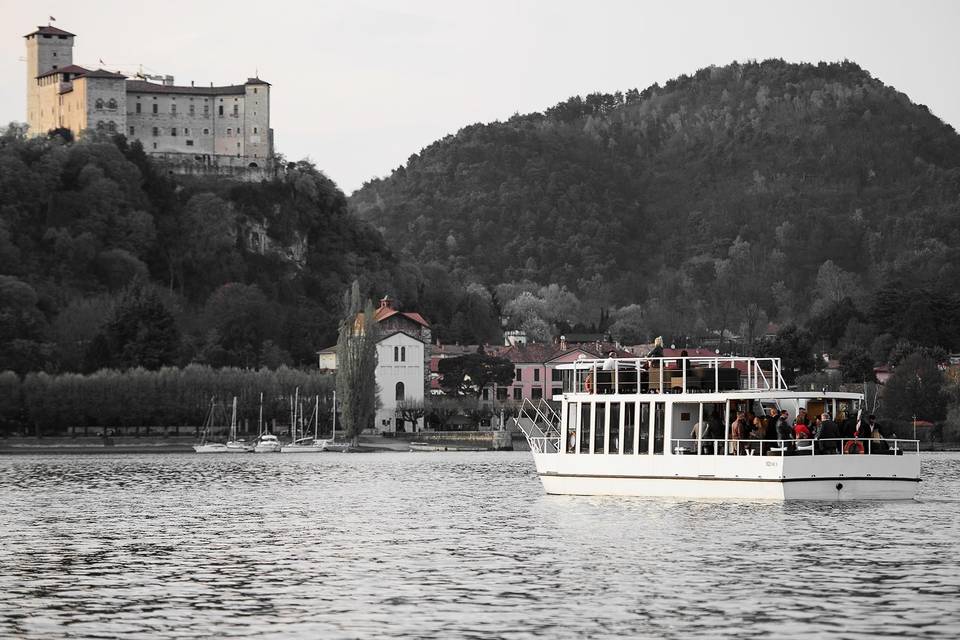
[194, 129]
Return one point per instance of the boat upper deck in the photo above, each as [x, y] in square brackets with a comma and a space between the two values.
[672, 375]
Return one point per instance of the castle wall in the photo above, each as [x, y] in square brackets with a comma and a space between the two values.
[45, 52]
[106, 103]
[183, 123]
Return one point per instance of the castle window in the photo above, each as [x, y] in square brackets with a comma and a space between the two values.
[54, 54]
[111, 104]
[236, 110]
[189, 143]
[173, 132]
[154, 145]
[221, 110]
[192, 109]
[131, 130]
[54, 66]
[186, 131]
[254, 89]
[156, 132]
[173, 109]
[229, 131]
[138, 107]
[98, 104]
[99, 125]
[254, 129]
[156, 108]
[206, 109]
[206, 132]
[112, 126]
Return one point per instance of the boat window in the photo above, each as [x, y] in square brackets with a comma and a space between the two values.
[613, 441]
[659, 412]
[644, 436]
[599, 422]
[585, 427]
[629, 415]
[572, 410]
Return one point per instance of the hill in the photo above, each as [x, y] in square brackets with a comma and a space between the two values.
[745, 193]
[106, 260]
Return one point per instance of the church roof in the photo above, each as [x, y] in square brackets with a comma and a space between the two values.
[47, 30]
[141, 86]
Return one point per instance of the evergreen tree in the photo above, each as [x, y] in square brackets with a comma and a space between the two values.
[141, 333]
[357, 363]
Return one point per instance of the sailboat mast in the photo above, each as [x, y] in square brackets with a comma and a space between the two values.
[333, 436]
[296, 403]
[260, 423]
[233, 421]
[316, 418]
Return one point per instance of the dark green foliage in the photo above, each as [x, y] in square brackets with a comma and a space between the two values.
[916, 390]
[79, 222]
[856, 365]
[163, 398]
[816, 182]
[141, 333]
[794, 347]
[474, 372]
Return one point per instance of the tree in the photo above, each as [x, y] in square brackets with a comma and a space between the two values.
[357, 363]
[474, 372]
[141, 333]
[856, 365]
[410, 411]
[794, 347]
[916, 390]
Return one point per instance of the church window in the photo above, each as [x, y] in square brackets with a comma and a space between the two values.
[400, 392]
[396, 354]
[111, 104]
[138, 107]
[403, 354]
[98, 104]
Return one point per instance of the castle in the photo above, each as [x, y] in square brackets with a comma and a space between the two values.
[223, 130]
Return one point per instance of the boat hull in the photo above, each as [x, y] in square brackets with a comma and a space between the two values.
[211, 448]
[733, 477]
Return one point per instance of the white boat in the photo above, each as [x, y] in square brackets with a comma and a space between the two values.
[233, 445]
[626, 427]
[267, 443]
[306, 444]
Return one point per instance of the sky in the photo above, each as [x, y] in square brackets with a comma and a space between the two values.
[359, 86]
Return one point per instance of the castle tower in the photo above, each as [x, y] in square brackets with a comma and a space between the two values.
[48, 48]
[258, 137]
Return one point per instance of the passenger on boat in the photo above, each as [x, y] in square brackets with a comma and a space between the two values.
[758, 431]
[572, 442]
[802, 434]
[738, 432]
[784, 432]
[879, 442]
[825, 435]
[701, 431]
[802, 418]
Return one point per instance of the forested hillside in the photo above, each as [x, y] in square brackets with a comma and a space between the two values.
[106, 261]
[796, 193]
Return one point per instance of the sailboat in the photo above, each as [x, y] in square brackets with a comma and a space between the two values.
[203, 446]
[266, 442]
[235, 445]
[306, 444]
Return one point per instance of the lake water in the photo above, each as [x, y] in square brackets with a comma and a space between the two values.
[451, 545]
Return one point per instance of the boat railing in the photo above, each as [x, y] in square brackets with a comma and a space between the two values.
[811, 447]
[673, 375]
[540, 424]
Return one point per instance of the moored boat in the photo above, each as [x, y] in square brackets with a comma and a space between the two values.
[666, 427]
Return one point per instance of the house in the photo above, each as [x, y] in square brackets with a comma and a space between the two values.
[402, 361]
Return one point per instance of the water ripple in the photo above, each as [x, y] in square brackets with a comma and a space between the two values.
[452, 545]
